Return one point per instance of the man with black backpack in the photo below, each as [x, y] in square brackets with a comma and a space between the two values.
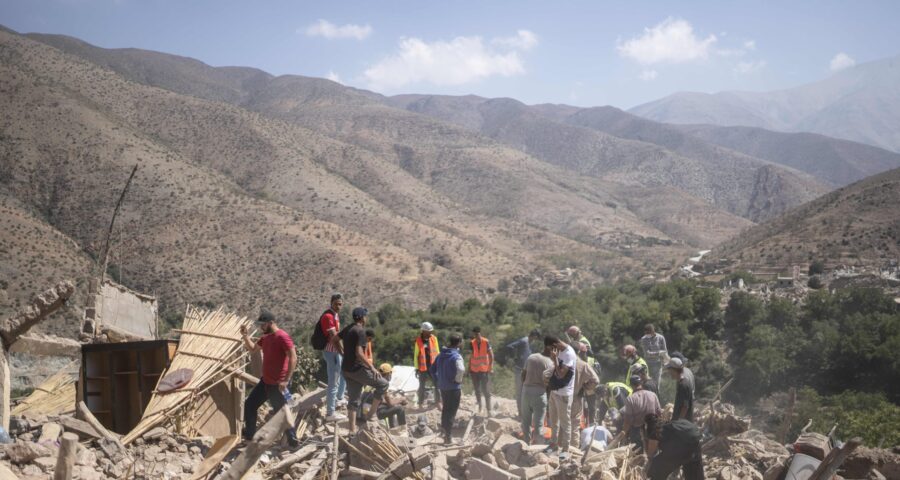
[561, 384]
[325, 337]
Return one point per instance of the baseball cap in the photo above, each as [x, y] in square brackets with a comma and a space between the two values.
[360, 312]
[385, 368]
[675, 363]
[427, 327]
[265, 317]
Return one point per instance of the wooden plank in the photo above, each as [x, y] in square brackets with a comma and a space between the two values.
[220, 449]
[312, 471]
[295, 457]
[262, 441]
[835, 458]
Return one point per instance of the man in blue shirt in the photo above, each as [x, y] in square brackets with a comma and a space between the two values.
[521, 348]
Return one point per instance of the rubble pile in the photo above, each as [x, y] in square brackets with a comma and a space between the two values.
[483, 449]
[35, 445]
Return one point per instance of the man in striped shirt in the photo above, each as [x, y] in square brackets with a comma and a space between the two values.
[330, 323]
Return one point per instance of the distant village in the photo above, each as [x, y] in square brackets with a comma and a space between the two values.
[790, 281]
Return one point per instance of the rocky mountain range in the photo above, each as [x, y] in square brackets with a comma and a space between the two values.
[860, 103]
[263, 191]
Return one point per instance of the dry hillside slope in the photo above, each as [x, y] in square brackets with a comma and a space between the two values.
[857, 224]
[232, 206]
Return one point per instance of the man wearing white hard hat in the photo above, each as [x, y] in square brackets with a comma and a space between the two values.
[425, 350]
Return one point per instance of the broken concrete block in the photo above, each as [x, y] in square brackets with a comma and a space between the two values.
[480, 469]
[50, 432]
[21, 453]
[482, 446]
[46, 464]
[515, 454]
[502, 425]
[81, 428]
[155, 434]
[530, 472]
[501, 459]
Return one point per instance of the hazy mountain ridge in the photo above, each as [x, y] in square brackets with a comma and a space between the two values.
[723, 178]
[860, 103]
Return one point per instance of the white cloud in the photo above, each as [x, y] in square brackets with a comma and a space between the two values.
[326, 29]
[446, 63]
[648, 75]
[841, 61]
[523, 40]
[671, 41]
[750, 45]
[749, 67]
[334, 77]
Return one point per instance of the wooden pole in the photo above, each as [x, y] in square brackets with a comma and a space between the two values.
[111, 223]
[270, 433]
[65, 462]
[788, 417]
[834, 459]
[335, 452]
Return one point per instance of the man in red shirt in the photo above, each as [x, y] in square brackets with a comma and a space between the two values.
[279, 362]
[330, 323]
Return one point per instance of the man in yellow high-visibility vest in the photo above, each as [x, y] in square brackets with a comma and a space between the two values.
[481, 365]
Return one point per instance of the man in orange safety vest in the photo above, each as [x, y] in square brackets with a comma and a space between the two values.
[481, 365]
[425, 350]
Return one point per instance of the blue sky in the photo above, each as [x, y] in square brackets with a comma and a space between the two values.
[620, 53]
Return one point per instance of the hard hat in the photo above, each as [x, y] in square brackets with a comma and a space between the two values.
[629, 350]
[385, 368]
[427, 327]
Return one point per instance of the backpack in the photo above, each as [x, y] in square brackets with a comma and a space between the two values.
[556, 382]
[318, 340]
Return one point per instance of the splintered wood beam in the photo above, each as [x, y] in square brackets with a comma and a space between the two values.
[270, 433]
[834, 459]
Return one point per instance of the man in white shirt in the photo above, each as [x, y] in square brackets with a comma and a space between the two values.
[562, 388]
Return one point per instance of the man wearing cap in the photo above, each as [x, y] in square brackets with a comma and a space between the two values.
[684, 395]
[391, 407]
[425, 350]
[675, 444]
[358, 370]
[629, 353]
[521, 348]
[575, 336]
[561, 383]
[646, 381]
[481, 364]
[637, 406]
[448, 370]
[279, 362]
[330, 323]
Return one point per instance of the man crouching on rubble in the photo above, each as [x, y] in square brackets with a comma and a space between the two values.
[358, 369]
[279, 362]
[676, 444]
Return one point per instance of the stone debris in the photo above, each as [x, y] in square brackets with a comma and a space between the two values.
[482, 449]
